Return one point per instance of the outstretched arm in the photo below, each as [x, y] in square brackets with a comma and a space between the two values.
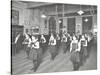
[70, 46]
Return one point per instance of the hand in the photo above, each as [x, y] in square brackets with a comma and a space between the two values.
[70, 51]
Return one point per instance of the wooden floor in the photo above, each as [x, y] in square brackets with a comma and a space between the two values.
[22, 65]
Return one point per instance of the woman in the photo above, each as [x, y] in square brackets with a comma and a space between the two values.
[52, 44]
[35, 53]
[43, 43]
[26, 43]
[75, 49]
[63, 42]
[17, 43]
[69, 39]
[83, 52]
[58, 42]
[90, 42]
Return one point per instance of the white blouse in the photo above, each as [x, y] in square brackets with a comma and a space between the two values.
[52, 39]
[43, 38]
[16, 39]
[36, 45]
[79, 45]
[84, 40]
[64, 39]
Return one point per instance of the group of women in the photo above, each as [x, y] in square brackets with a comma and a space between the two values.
[78, 46]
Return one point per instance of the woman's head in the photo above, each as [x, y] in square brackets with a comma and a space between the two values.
[74, 37]
[42, 35]
[83, 37]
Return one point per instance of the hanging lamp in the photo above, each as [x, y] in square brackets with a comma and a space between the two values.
[80, 12]
[43, 14]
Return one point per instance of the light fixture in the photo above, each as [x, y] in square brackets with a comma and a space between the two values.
[95, 30]
[59, 21]
[43, 16]
[86, 20]
[80, 12]
[43, 13]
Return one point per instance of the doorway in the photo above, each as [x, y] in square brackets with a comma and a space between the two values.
[52, 25]
[86, 24]
[71, 25]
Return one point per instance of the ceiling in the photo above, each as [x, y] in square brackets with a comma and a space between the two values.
[51, 7]
[33, 4]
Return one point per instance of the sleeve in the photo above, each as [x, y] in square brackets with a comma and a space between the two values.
[29, 42]
[66, 39]
[70, 46]
[86, 43]
[79, 46]
[44, 39]
[16, 39]
[54, 42]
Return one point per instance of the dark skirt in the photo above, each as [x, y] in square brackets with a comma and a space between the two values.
[58, 45]
[63, 46]
[44, 47]
[75, 57]
[68, 45]
[35, 54]
[28, 49]
[53, 51]
[85, 51]
[25, 46]
[83, 55]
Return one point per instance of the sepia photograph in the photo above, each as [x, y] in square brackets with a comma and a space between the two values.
[51, 37]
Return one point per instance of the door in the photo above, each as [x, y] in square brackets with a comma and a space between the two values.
[52, 25]
[15, 30]
[71, 25]
[86, 24]
[60, 25]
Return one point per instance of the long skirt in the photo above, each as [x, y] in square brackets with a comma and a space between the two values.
[83, 55]
[36, 57]
[58, 46]
[35, 54]
[17, 48]
[89, 48]
[85, 51]
[68, 45]
[75, 57]
[53, 51]
[67, 48]
[44, 47]
[64, 46]
[75, 60]
[28, 49]
[25, 46]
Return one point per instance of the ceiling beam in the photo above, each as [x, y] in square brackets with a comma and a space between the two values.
[35, 5]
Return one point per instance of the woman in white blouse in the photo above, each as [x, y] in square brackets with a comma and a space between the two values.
[52, 45]
[75, 49]
[35, 53]
[83, 52]
[43, 43]
[63, 42]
